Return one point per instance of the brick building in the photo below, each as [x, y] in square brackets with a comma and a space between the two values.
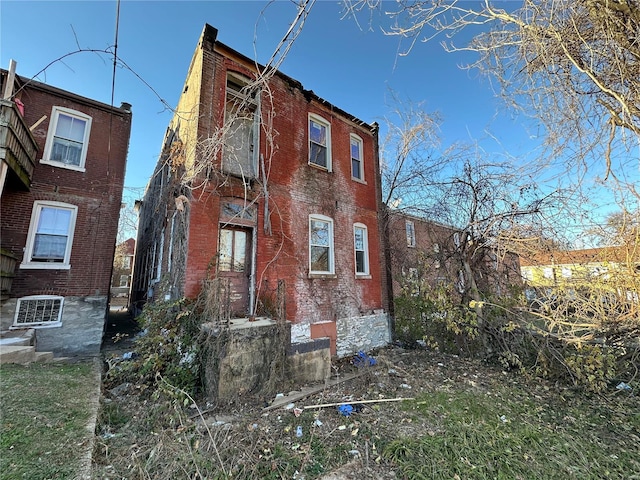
[424, 255]
[60, 203]
[122, 273]
[269, 190]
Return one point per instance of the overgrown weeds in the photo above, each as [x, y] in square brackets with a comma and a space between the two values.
[518, 338]
[169, 347]
[468, 420]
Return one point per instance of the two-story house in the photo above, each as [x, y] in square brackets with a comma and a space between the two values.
[273, 192]
[424, 254]
[63, 159]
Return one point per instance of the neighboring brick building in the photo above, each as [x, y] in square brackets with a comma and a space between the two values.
[425, 254]
[59, 221]
[266, 186]
[122, 273]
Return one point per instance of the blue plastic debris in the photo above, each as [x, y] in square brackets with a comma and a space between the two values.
[624, 386]
[361, 359]
[345, 410]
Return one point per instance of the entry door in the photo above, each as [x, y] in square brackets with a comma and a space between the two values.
[235, 264]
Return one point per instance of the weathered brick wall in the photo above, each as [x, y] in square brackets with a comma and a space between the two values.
[295, 190]
[97, 192]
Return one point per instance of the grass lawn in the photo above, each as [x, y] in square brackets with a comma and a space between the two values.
[45, 411]
[511, 434]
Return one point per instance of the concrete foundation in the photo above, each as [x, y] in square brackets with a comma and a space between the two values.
[80, 332]
[362, 333]
[247, 359]
[309, 362]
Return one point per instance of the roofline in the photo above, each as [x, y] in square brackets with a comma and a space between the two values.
[402, 213]
[210, 33]
[124, 109]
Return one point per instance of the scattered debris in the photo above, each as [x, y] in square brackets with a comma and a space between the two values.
[308, 391]
[345, 410]
[336, 404]
[361, 359]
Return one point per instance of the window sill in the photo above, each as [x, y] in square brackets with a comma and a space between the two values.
[22, 326]
[63, 165]
[45, 266]
[320, 167]
[363, 276]
[359, 180]
[323, 275]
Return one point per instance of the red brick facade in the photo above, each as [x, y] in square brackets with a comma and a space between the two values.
[425, 254]
[96, 192]
[284, 194]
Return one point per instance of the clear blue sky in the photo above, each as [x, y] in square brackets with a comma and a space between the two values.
[352, 68]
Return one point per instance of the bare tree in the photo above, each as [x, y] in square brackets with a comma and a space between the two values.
[573, 65]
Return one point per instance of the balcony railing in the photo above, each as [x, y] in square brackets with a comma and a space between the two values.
[18, 148]
[7, 269]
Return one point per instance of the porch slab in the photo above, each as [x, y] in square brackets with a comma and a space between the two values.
[21, 337]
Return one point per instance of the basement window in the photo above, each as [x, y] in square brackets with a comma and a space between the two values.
[38, 310]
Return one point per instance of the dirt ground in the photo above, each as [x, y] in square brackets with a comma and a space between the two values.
[248, 434]
[352, 441]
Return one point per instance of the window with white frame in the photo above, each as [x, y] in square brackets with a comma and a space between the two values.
[411, 233]
[361, 247]
[321, 256]
[319, 142]
[67, 139]
[38, 310]
[50, 235]
[124, 280]
[241, 128]
[357, 170]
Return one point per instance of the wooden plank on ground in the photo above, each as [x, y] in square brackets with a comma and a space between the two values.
[307, 391]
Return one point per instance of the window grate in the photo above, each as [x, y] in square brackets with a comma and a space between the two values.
[39, 310]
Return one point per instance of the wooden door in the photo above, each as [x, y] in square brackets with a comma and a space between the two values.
[234, 250]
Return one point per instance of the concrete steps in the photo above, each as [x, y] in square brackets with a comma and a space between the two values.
[18, 346]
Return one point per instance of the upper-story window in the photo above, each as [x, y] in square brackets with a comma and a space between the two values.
[411, 233]
[357, 170]
[321, 256]
[50, 235]
[67, 139]
[319, 142]
[361, 247]
[241, 128]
